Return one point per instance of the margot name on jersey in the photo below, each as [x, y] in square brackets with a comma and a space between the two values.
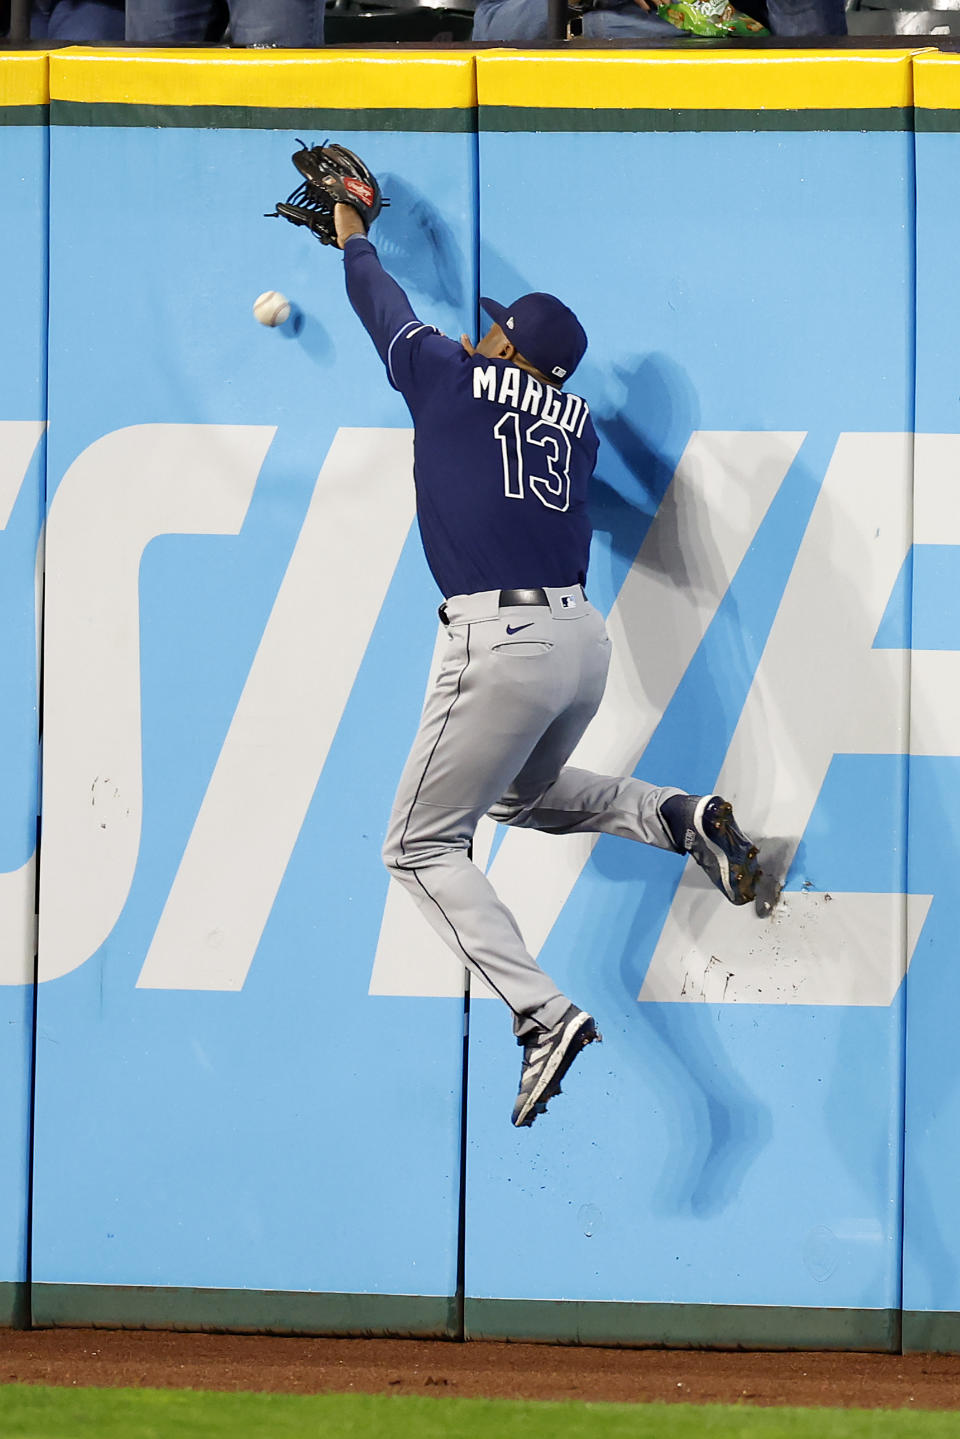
[502, 385]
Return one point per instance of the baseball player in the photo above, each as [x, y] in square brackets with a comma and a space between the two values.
[504, 454]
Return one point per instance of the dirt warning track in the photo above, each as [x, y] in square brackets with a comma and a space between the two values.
[491, 1370]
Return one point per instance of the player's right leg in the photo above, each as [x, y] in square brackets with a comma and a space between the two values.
[704, 827]
[548, 794]
[582, 802]
[557, 798]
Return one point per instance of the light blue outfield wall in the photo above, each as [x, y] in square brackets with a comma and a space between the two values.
[250, 1116]
[711, 1151]
[23, 240]
[249, 1058]
[931, 1276]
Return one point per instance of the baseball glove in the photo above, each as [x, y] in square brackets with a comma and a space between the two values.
[332, 175]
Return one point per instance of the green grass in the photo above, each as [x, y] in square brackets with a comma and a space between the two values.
[35, 1412]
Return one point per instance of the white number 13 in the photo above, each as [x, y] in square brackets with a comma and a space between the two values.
[552, 490]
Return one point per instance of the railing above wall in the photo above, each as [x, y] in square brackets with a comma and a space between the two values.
[19, 20]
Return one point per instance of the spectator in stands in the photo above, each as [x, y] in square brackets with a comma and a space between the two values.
[291, 23]
[82, 22]
[806, 17]
[514, 22]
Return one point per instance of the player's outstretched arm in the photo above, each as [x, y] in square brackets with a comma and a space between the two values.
[380, 303]
[348, 223]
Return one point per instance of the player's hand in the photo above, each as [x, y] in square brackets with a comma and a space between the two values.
[468, 344]
[644, 5]
[348, 223]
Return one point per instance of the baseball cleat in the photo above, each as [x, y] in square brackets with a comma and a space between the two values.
[547, 1055]
[703, 826]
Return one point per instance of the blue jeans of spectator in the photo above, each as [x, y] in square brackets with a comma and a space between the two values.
[807, 17]
[83, 22]
[291, 23]
[516, 21]
[628, 22]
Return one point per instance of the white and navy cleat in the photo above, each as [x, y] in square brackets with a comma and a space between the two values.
[703, 826]
[547, 1055]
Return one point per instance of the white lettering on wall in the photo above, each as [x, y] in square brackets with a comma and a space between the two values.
[820, 689]
[125, 489]
[288, 714]
[18, 442]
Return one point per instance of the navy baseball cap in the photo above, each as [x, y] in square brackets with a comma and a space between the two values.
[544, 330]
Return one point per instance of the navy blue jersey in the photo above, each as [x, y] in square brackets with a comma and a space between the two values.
[502, 462]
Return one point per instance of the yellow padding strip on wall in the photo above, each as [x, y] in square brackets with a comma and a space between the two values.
[730, 80]
[936, 82]
[23, 78]
[283, 79]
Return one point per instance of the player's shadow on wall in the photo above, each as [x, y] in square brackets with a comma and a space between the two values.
[643, 439]
[312, 335]
[720, 1124]
[417, 245]
[638, 447]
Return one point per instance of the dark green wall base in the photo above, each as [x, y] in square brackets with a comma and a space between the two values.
[14, 1306]
[562, 1321]
[242, 1311]
[927, 1332]
[682, 1326]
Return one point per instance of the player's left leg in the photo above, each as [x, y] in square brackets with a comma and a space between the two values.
[547, 1055]
[493, 697]
[483, 714]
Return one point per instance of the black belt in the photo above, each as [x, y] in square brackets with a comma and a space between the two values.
[522, 597]
[508, 598]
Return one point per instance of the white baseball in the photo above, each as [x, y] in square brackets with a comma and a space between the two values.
[271, 308]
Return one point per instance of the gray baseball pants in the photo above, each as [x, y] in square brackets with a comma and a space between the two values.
[515, 691]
